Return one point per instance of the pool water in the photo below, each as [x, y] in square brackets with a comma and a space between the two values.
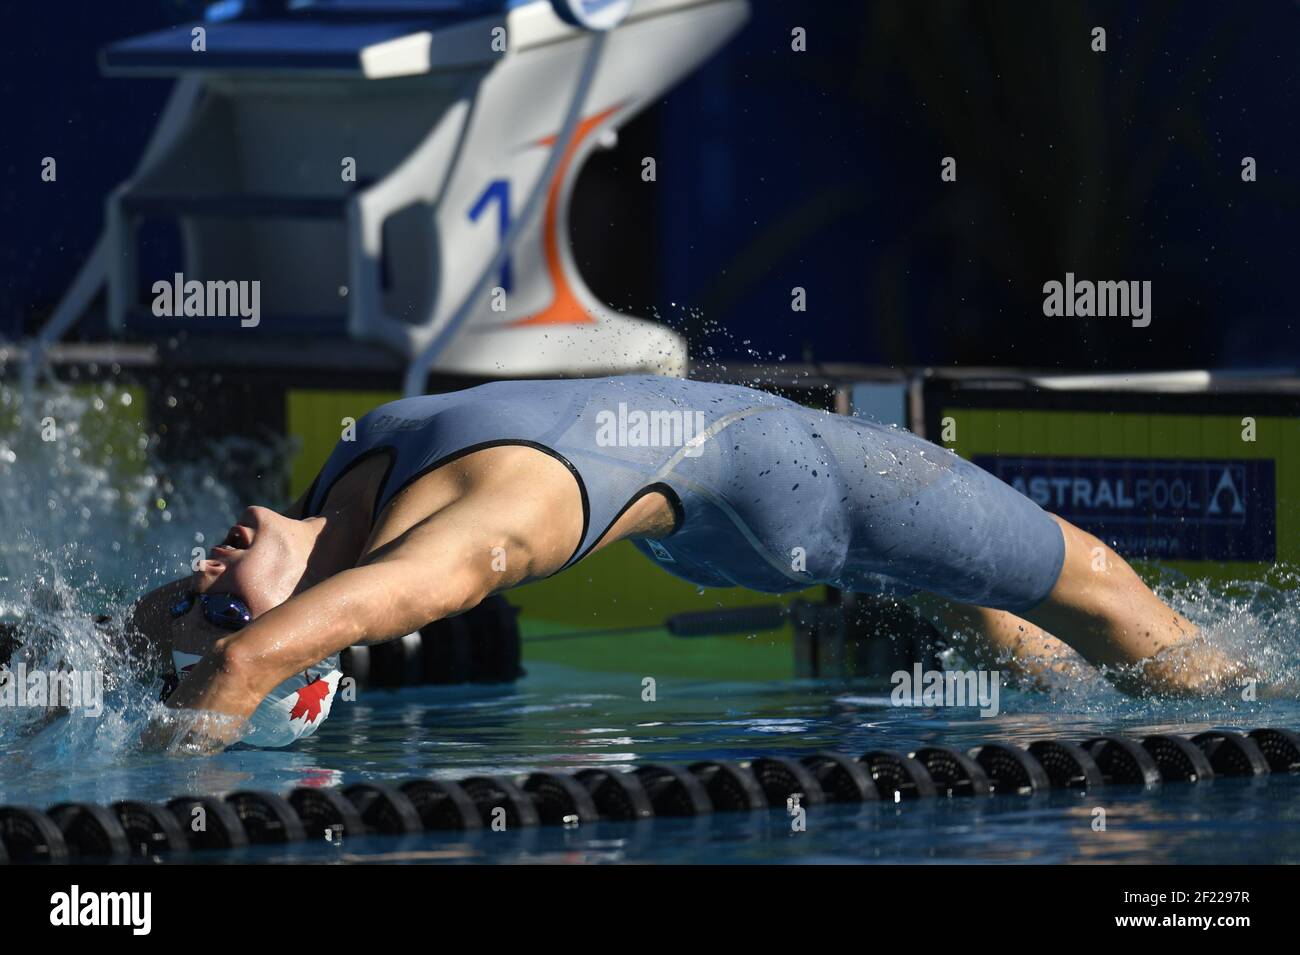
[561, 718]
[87, 526]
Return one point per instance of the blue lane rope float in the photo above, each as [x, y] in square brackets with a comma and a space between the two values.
[131, 828]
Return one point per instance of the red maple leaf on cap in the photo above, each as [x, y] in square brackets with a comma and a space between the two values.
[309, 700]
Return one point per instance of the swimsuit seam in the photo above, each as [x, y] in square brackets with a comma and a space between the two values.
[679, 517]
[347, 468]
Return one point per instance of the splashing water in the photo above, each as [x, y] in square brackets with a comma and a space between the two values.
[1253, 623]
[92, 520]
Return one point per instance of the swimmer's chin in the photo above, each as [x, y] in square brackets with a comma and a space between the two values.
[184, 732]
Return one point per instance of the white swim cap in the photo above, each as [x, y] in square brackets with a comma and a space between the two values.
[292, 710]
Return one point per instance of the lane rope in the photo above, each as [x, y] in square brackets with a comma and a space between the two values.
[145, 830]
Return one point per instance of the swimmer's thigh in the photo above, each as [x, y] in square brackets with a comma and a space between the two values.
[957, 531]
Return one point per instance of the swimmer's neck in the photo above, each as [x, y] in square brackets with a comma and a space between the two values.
[343, 526]
[339, 536]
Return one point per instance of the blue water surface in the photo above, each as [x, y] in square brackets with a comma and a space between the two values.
[561, 718]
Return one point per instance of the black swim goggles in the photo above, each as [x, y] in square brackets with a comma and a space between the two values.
[221, 610]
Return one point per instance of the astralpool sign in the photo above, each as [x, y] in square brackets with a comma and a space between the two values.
[1181, 510]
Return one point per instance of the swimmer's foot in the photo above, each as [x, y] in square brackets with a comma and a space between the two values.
[1190, 669]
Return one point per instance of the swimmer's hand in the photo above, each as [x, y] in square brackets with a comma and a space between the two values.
[207, 712]
[192, 732]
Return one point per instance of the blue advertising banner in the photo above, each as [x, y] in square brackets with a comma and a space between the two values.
[1183, 510]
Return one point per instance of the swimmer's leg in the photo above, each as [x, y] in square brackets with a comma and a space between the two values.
[1102, 609]
[1106, 616]
[996, 639]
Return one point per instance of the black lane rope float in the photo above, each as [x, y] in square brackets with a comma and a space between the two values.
[127, 829]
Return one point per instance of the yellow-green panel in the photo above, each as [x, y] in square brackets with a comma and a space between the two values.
[1137, 435]
[315, 423]
[1283, 436]
[112, 426]
[1085, 434]
[761, 656]
[109, 428]
[619, 587]
[1034, 431]
[1060, 437]
[1110, 434]
[1214, 441]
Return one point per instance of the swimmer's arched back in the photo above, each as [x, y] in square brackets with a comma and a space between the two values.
[443, 500]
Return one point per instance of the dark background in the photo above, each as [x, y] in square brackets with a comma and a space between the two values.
[821, 169]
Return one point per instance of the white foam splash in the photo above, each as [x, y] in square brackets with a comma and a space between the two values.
[91, 520]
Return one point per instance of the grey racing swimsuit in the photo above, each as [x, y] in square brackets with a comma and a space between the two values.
[769, 495]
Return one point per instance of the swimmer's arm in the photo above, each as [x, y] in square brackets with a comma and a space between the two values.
[366, 604]
[436, 569]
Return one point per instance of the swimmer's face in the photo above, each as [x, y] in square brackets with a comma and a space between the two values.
[257, 561]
